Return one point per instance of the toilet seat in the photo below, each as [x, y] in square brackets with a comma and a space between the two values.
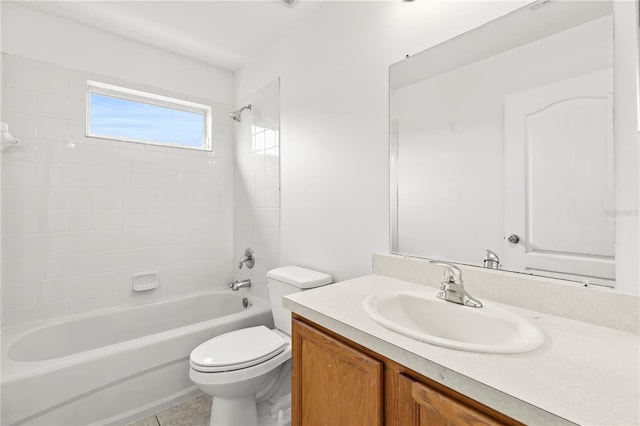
[237, 350]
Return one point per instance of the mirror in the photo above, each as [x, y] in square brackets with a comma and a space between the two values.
[502, 140]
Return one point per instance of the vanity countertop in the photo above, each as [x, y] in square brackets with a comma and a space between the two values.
[583, 373]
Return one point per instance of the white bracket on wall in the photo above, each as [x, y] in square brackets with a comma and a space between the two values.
[7, 138]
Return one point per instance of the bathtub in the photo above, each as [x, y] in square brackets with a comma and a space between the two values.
[115, 365]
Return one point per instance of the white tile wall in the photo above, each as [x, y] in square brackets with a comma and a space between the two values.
[257, 186]
[81, 215]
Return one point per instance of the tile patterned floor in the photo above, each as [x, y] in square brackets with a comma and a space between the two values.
[194, 412]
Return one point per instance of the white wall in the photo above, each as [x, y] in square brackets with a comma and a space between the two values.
[81, 215]
[334, 131]
[36, 35]
[334, 125]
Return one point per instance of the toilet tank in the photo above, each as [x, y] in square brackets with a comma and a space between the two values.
[289, 280]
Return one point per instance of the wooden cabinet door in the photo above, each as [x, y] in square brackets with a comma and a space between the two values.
[411, 402]
[332, 383]
[438, 409]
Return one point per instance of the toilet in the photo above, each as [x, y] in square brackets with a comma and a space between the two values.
[248, 371]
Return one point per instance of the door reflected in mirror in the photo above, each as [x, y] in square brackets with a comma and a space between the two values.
[502, 140]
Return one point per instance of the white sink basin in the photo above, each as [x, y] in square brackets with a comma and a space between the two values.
[422, 316]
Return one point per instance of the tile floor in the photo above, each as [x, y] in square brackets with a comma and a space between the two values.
[194, 412]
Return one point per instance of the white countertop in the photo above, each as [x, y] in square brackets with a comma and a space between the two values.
[583, 373]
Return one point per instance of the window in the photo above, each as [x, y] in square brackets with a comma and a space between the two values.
[131, 115]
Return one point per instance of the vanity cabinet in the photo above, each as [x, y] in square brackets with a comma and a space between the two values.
[338, 382]
[333, 383]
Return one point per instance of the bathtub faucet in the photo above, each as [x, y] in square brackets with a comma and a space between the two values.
[237, 285]
[248, 259]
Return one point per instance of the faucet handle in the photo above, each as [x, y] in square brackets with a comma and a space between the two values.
[489, 255]
[491, 260]
[452, 289]
[248, 258]
[452, 273]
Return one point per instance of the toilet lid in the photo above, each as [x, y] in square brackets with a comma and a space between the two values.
[237, 349]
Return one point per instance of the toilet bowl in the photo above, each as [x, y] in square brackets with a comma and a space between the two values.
[249, 367]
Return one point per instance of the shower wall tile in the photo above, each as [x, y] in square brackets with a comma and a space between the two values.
[48, 311]
[52, 79]
[22, 125]
[24, 246]
[51, 127]
[21, 74]
[257, 186]
[21, 100]
[50, 291]
[50, 105]
[51, 244]
[81, 215]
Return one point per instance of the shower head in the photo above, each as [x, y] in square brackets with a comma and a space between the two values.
[235, 115]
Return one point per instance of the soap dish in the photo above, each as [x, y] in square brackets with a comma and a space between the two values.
[144, 281]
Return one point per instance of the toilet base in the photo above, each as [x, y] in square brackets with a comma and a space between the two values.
[244, 412]
[275, 412]
[234, 412]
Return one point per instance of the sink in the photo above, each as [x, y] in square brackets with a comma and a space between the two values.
[422, 316]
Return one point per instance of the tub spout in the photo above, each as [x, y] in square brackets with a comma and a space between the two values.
[237, 285]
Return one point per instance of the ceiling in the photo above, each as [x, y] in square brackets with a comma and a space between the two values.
[226, 34]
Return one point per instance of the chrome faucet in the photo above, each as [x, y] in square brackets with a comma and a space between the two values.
[248, 259]
[491, 260]
[452, 288]
[237, 285]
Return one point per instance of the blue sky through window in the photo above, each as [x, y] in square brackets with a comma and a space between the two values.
[122, 118]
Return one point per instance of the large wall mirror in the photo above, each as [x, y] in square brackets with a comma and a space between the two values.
[502, 140]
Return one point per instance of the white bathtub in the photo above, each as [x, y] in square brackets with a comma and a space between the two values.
[115, 365]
